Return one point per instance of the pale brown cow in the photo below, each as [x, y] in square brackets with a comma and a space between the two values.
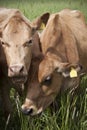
[16, 40]
[64, 44]
[15, 36]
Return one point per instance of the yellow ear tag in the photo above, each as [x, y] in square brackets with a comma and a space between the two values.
[73, 73]
[42, 27]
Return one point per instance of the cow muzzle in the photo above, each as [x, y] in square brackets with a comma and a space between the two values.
[17, 73]
[30, 110]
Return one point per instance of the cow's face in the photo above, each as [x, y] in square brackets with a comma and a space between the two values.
[41, 93]
[16, 41]
[16, 34]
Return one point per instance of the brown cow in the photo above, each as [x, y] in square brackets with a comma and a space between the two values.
[64, 43]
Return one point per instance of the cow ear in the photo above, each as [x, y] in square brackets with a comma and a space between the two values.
[69, 70]
[41, 21]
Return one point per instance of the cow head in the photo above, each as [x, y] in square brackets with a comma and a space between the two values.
[53, 75]
[16, 35]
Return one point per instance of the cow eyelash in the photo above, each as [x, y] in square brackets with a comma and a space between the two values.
[28, 43]
[4, 43]
[47, 81]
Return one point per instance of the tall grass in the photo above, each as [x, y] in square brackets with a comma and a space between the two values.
[67, 112]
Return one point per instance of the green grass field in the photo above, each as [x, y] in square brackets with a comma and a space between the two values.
[66, 113]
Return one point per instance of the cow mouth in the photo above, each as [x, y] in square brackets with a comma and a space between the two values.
[19, 80]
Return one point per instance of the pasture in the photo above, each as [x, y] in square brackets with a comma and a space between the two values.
[66, 113]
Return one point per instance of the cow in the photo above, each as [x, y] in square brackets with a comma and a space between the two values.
[16, 33]
[64, 45]
[16, 40]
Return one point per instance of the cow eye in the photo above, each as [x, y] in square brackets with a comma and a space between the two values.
[47, 80]
[5, 44]
[28, 43]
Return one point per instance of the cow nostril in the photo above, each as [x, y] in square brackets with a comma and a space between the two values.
[22, 69]
[27, 111]
[30, 111]
[11, 69]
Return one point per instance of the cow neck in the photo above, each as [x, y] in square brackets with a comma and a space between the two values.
[40, 47]
[56, 52]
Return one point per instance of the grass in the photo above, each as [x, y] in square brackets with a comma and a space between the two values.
[67, 113]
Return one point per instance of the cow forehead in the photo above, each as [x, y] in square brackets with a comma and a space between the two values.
[17, 32]
[45, 69]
